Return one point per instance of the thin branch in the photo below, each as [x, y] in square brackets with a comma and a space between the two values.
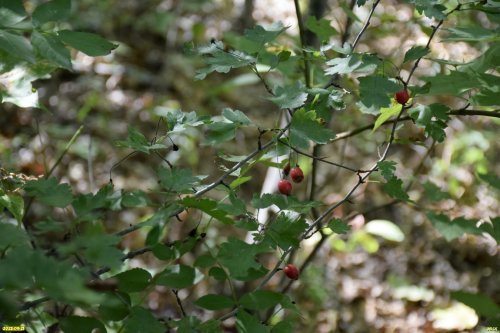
[179, 302]
[365, 26]
[307, 74]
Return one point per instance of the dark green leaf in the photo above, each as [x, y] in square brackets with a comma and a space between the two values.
[482, 304]
[432, 118]
[141, 320]
[374, 90]
[470, 34]
[133, 280]
[115, 306]
[259, 36]
[492, 228]
[75, 324]
[14, 203]
[11, 12]
[50, 47]
[87, 206]
[219, 132]
[221, 61]
[290, 203]
[55, 10]
[290, 97]
[434, 193]
[217, 273]
[352, 63]
[91, 44]
[50, 192]
[163, 252]
[135, 199]
[455, 83]
[415, 53]
[321, 28]
[188, 325]
[11, 235]
[260, 299]
[178, 180]
[204, 261]
[207, 206]
[246, 323]
[285, 231]
[214, 302]
[137, 141]
[430, 8]
[491, 179]
[387, 168]
[338, 226]
[239, 257]
[17, 46]
[306, 127]
[284, 326]
[394, 187]
[210, 326]
[452, 229]
[236, 117]
[178, 277]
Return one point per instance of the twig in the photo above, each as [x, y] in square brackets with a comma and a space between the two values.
[179, 302]
[365, 26]
[307, 74]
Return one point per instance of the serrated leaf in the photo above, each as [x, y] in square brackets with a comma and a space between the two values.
[338, 226]
[55, 10]
[352, 63]
[50, 192]
[386, 113]
[207, 206]
[482, 304]
[471, 34]
[141, 320]
[133, 280]
[455, 83]
[236, 116]
[321, 28]
[306, 127]
[137, 141]
[374, 90]
[239, 257]
[51, 48]
[260, 299]
[259, 36]
[432, 118]
[222, 61]
[91, 44]
[387, 168]
[430, 8]
[135, 199]
[285, 231]
[290, 97]
[178, 277]
[452, 229]
[214, 302]
[415, 53]
[178, 180]
[17, 46]
[394, 187]
[11, 236]
[434, 193]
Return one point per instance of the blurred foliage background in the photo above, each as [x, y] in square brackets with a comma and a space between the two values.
[394, 276]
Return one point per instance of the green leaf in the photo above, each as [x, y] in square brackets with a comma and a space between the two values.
[471, 34]
[285, 231]
[221, 61]
[137, 141]
[306, 127]
[207, 206]
[115, 306]
[455, 83]
[289, 203]
[217, 273]
[259, 36]
[260, 299]
[430, 8]
[452, 229]
[387, 168]
[415, 53]
[178, 180]
[50, 47]
[354, 63]
[491, 179]
[11, 12]
[11, 236]
[394, 187]
[75, 324]
[210, 326]
[219, 132]
[321, 28]
[482, 304]
[385, 229]
[284, 326]
[55, 10]
[374, 90]
[432, 118]
[87, 206]
[246, 323]
[434, 193]
[236, 117]
[290, 97]
[338, 226]
[16, 45]
[214, 302]
[492, 228]
[141, 320]
[91, 44]
[49, 192]
[239, 257]
[133, 280]
[178, 277]
[386, 113]
[14, 203]
[188, 325]
[204, 261]
[135, 199]
[239, 181]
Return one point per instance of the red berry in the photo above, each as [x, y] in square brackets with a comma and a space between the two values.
[285, 187]
[402, 96]
[286, 169]
[291, 271]
[297, 174]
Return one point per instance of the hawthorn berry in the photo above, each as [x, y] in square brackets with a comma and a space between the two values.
[291, 271]
[297, 174]
[285, 187]
[402, 96]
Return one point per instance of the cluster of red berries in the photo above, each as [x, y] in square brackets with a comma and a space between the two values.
[284, 185]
